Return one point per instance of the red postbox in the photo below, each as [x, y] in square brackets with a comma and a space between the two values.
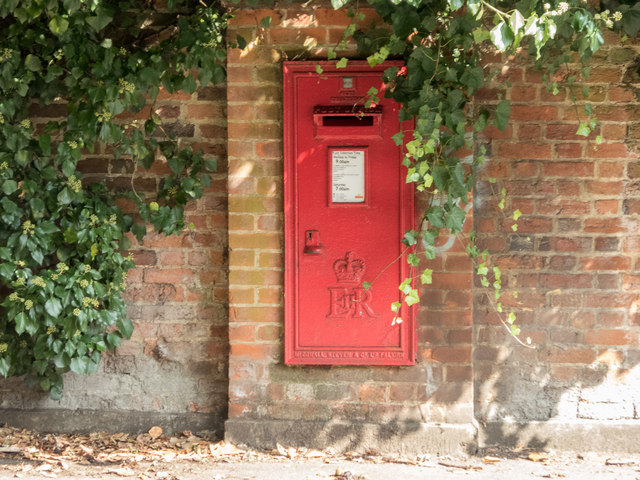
[346, 207]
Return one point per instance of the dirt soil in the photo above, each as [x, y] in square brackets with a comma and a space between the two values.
[153, 455]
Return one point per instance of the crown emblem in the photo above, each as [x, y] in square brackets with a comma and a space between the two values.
[349, 269]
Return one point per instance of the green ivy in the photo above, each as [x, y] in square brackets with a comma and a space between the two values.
[443, 44]
[62, 272]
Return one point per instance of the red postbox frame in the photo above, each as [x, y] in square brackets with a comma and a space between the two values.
[295, 353]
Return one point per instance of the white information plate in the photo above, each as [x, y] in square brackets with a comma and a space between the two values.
[347, 176]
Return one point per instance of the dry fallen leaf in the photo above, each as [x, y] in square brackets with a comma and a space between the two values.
[224, 448]
[289, 452]
[490, 459]
[122, 472]
[155, 432]
[538, 457]
[314, 454]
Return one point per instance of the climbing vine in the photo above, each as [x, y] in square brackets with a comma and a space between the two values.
[445, 44]
[62, 271]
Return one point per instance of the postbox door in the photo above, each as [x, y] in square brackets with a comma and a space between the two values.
[346, 209]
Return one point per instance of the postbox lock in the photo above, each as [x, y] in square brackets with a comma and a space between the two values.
[312, 245]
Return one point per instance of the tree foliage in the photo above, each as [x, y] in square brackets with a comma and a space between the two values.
[61, 269]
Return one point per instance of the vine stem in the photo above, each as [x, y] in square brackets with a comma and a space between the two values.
[499, 12]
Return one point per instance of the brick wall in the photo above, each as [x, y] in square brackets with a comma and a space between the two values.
[173, 371]
[350, 407]
[575, 258]
[574, 262]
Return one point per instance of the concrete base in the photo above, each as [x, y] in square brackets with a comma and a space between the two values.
[577, 436]
[84, 421]
[408, 438]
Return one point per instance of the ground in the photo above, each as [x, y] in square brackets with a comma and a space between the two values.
[29, 455]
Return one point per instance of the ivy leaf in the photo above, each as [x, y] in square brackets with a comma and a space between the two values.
[53, 307]
[410, 237]
[32, 63]
[502, 36]
[412, 298]
[342, 63]
[336, 4]
[584, 130]
[242, 43]
[211, 164]
[7, 270]
[413, 260]
[516, 21]
[501, 119]
[64, 197]
[631, 21]
[21, 322]
[58, 25]
[139, 231]
[79, 365]
[125, 327]
[427, 276]
[101, 20]
[4, 366]
[455, 219]
[265, 22]
[9, 186]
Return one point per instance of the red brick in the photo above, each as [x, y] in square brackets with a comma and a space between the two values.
[452, 280]
[532, 225]
[270, 333]
[609, 337]
[567, 131]
[533, 114]
[570, 355]
[242, 333]
[523, 93]
[298, 36]
[173, 276]
[430, 336]
[605, 263]
[452, 354]
[568, 169]
[605, 188]
[621, 94]
[256, 314]
[460, 336]
[631, 282]
[604, 225]
[564, 207]
[262, 351]
[607, 300]
[525, 150]
[602, 74]
[610, 319]
[372, 393]
[608, 150]
[267, 241]
[525, 169]
[631, 206]
[402, 392]
[569, 150]
[607, 206]
[557, 280]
